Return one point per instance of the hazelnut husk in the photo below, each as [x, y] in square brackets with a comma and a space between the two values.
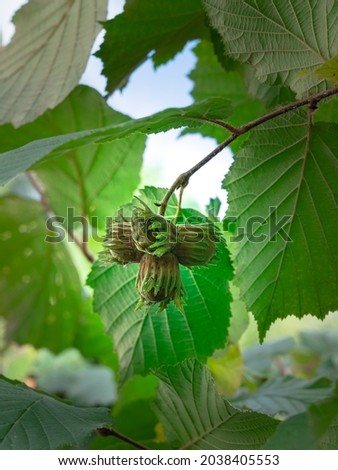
[152, 233]
[196, 244]
[119, 244]
[159, 246]
[159, 281]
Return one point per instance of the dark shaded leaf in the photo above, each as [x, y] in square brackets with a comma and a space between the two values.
[148, 28]
[195, 416]
[41, 293]
[33, 420]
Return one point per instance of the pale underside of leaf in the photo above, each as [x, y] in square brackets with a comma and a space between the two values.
[22, 158]
[148, 339]
[282, 195]
[94, 180]
[288, 395]
[196, 417]
[283, 41]
[47, 55]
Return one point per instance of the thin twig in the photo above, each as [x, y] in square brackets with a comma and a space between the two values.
[183, 179]
[179, 204]
[112, 432]
[82, 244]
[216, 122]
[37, 185]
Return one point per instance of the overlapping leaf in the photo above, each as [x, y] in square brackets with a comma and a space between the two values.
[196, 417]
[315, 429]
[271, 96]
[282, 198]
[329, 70]
[240, 317]
[93, 181]
[210, 80]
[47, 55]
[327, 110]
[148, 27]
[18, 160]
[33, 420]
[283, 41]
[287, 395]
[40, 288]
[148, 339]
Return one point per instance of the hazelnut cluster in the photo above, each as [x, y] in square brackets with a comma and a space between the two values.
[159, 246]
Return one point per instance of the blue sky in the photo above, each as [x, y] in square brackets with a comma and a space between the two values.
[147, 92]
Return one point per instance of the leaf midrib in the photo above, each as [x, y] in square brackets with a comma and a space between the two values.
[307, 46]
[207, 432]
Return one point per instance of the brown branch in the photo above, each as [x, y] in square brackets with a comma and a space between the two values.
[37, 185]
[216, 122]
[112, 432]
[183, 179]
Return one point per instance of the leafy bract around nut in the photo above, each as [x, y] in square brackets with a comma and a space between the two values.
[159, 280]
[195, 244]
[119, 244]
[151, 232]
[160, 246]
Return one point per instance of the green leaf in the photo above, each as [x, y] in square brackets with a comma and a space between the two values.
[148, 339]
[282, 201]
[20, 159]
[329, 70]
[136, 389]
[327, 110]
[40, 288]
[148, 28]
[136, 420]
[196, 417]
[292, 434]
[211, 80]
[92, 341]
[239, 315]
[47, 56]
[276, 39]
[17, 361]
[93, 180]
[213, 208]
[34, 420]
[227, 369]
[315, 429]
[287, 395]
[271, 96]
